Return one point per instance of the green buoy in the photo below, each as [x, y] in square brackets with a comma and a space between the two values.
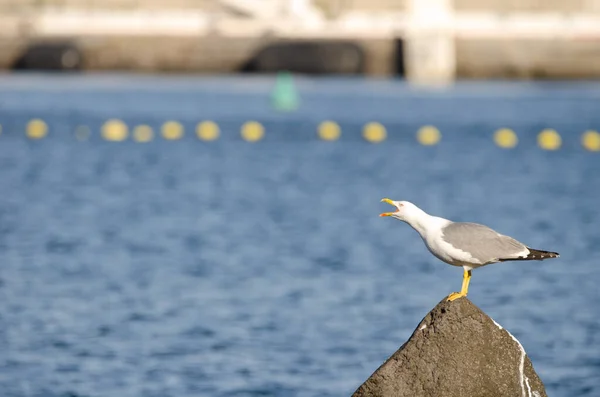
[284, 96]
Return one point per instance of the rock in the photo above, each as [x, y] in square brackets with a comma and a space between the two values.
[456, 351]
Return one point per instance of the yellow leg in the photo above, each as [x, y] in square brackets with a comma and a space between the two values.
[465, 287]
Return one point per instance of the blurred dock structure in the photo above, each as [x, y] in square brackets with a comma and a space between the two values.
[428, 41]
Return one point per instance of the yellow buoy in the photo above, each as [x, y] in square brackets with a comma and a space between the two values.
[591, 141]
[252, 131]
[329, 131]
[143, 133]
[374, 132]
[506, 138]
[36, 129]
[82, 133]
[428, 135]
[207, 131]
[172, 130]
[115, 130]
[549, 139]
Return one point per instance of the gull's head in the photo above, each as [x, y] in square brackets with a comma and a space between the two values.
[405, 210]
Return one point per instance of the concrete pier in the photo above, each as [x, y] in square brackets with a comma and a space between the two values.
[442, 39]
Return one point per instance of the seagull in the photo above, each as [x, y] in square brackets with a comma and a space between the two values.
[465, 244]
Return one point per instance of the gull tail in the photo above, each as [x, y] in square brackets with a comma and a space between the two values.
[534, 255]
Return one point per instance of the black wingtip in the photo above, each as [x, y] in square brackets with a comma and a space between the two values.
[534, 255]
[539, 254]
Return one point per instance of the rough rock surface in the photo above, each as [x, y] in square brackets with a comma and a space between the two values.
[456, 351]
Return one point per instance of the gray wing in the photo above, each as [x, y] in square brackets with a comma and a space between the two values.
[483, 243]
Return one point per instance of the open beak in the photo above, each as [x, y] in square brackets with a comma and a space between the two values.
[387, 200]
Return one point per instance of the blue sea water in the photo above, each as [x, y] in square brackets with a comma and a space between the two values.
[228, 268]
